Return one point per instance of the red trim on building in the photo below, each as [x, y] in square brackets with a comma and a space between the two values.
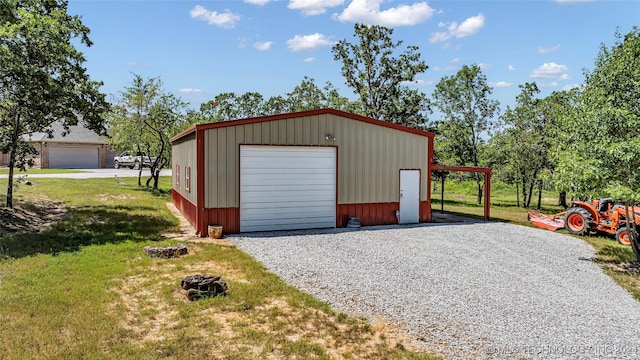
[186, 207]
[229, 218]
[202, 225]
[198, 128]
[376, 213]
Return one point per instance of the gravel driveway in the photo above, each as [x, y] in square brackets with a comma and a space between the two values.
[482, 290]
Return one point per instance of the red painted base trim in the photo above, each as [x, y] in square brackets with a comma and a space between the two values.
[425, 211]
[186, 207]
[376, 213]
[229, 218]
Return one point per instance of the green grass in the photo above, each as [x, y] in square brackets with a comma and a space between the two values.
[5, 171]
[460, 198]
[84, 289]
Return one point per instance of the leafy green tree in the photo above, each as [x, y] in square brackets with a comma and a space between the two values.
[306, 96]
[144, 120]
[379, 76]
[276, 105]
[42, 78]
[468, 114]
[524, 142]
[599, 156]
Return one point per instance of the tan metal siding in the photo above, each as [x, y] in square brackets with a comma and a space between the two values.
[369, 156]
[183, 153]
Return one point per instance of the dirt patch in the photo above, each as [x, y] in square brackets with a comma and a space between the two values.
[30, 217]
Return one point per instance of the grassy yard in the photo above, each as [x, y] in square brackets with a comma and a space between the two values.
[82, 288]
[459, 198]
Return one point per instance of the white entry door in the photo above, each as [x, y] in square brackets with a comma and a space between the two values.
[409, 197]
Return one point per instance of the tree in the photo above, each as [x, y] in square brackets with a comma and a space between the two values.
[308, 96]
[599, 156]
[379, 76]
[42, 78]
[467, 113]
[305, 96]
[144, 120]
[523, 144]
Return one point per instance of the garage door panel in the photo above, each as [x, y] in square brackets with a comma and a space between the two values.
[291, 178]
[267, 212]
[69, 157]
[287, 188]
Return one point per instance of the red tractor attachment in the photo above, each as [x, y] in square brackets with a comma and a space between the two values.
[585, 217]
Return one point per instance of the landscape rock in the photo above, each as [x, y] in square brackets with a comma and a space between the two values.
[166, 252]
[201, 286]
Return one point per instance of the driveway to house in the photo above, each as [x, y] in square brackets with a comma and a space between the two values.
[478, 290]
[91, 173]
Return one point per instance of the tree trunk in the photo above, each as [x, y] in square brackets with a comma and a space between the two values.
[479, 201]
[562, 199]
[517, 194]
[539, 194]
[524, 193]
[12, 162]
[530, 193]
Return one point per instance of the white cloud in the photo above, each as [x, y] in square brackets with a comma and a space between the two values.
[313, 7]
[565, 77]
[226, 20]
[456, 60]
[309, 60]
[570, 86]
[502, 84]
[542, 50]
[190, 91]
[548, 71]
[368, 12]
[444, 68]
[418, 83]
[257, 2]
[511, 68]
[308, 42]
[137, 64]
[262, 46]
[484, 66]
[469, 27]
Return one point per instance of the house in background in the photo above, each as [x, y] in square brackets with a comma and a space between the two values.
[81, 148]
[311, 169]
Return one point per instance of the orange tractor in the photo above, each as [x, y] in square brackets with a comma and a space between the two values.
[584, 217]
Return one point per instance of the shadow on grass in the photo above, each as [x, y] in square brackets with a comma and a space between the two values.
[84, 226]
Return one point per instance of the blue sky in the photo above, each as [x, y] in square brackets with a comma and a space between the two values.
[202, 48]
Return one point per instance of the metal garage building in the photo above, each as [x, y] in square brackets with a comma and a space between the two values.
[312, 169]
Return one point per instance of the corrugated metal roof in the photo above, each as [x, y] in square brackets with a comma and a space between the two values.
[77, 134]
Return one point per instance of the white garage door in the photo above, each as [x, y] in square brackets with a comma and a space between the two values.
[287, 187]
[74, 158]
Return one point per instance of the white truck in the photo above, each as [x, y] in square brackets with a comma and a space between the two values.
[126, 159]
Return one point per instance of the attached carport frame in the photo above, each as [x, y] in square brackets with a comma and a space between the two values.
[474, 169]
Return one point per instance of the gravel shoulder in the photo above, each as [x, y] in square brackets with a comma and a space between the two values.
[482, 290]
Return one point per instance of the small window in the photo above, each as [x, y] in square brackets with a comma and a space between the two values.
[187, 178]
[177, 175]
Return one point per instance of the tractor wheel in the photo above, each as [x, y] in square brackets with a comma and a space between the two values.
[578, 221]
[622, 235]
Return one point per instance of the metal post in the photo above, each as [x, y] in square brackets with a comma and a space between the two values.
[442, 192]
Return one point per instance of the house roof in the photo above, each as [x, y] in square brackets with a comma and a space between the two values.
[302, 114]
[76, 134]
